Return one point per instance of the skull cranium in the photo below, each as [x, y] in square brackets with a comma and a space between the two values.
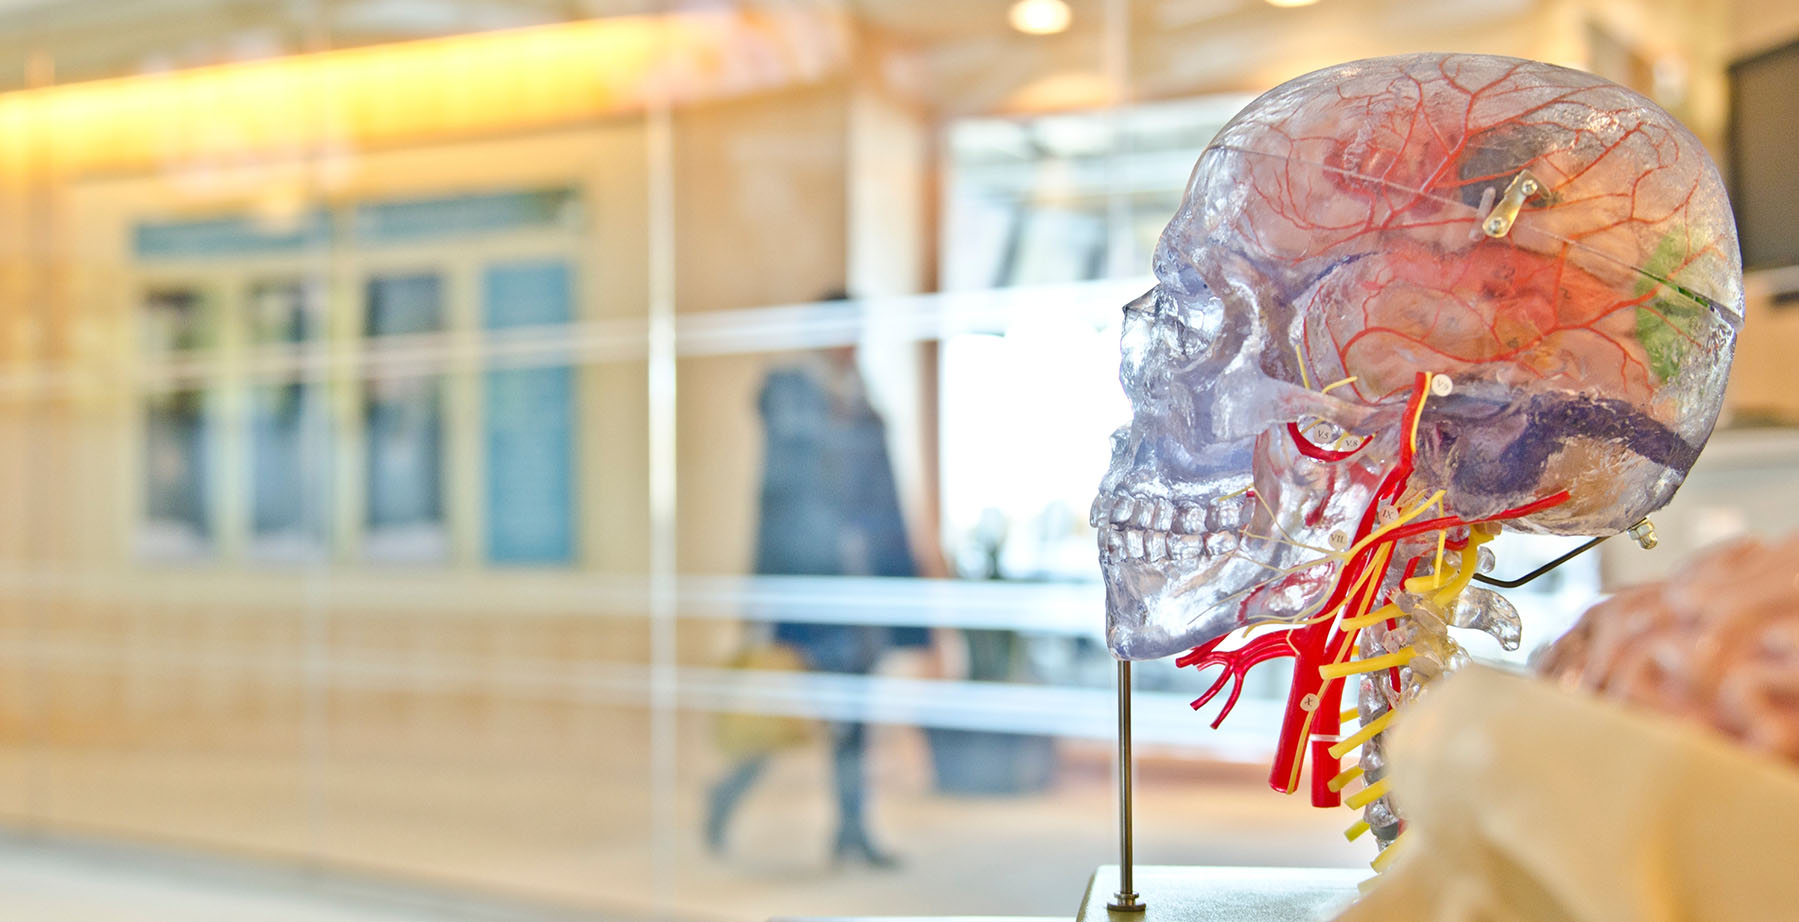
[1554, 251]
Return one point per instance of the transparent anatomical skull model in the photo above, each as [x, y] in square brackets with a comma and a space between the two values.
[1405, 302]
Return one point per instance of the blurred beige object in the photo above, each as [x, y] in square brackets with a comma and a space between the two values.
[1760, 388]
[1530, 802]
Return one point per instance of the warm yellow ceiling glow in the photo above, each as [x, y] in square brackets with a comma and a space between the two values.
[1288, 3]
[1039, 17]
[407, 93]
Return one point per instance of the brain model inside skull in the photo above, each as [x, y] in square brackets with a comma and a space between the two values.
[1405, 301]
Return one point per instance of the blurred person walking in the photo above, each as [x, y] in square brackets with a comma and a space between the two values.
[829, 507]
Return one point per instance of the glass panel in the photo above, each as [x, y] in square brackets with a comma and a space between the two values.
[403, 425]
[286, 313]
[735, 376]
[403, 422]
[526, 294]
[228, 238]
[177, 319]
[178, 479]
[1070, 196]
[267, 302]
[288, 445]
[1015, 491]
[402, 304]
[288, 429]
[529, 420]
[392, 222]
[822, 432]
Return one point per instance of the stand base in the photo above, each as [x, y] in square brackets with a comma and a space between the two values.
[1125, 902]
[1206, 894]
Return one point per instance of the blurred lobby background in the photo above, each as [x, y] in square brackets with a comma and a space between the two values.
[384, 394]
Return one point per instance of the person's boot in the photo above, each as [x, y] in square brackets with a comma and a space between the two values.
[722, 801]
[717, 810]
[854, 846]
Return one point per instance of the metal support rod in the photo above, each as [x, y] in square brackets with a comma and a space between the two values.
[1125, 900]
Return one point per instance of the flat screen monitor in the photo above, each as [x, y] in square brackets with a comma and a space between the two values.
[1764, 140]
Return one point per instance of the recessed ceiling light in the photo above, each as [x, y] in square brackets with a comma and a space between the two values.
[1039, 17]
[1291, 3]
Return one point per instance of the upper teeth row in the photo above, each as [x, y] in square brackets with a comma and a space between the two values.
[1162, 514]
[1136, 544]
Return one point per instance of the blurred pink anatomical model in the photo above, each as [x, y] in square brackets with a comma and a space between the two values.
[1717, 645]
[1406, 302]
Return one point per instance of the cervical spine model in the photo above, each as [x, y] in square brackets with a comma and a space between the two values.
[1406, 302]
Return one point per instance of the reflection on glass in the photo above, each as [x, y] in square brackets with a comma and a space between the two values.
[401, 304]
[231, 237]
[404, 220]
[1012, 501]
[828, 507]
[1068, 197]
[1051, 245]
[487, 250]
[404, 431]
[529, 423]
[283, 313]
[287, 470]
[178, 432]
[176, 319]
[289, 499]
[177, 486]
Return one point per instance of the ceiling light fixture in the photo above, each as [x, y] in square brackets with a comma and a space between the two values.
[1291, 3]
[1039, 17]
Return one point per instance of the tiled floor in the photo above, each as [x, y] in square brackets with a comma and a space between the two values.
[453, 845]
[83, 881]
